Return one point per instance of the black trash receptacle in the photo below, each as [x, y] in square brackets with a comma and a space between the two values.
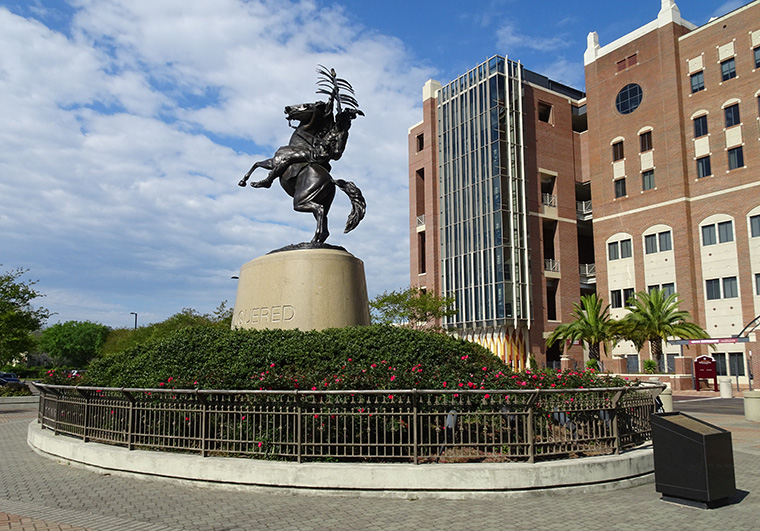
[693, 460]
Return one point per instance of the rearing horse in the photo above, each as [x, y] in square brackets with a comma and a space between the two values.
[303, 166]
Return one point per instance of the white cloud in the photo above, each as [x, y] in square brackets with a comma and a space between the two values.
[510, 38]
[121, 146]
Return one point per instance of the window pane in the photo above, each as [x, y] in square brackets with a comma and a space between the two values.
[757, 283]
[728, 69]
[732, 115]
[616, 299]
[697, 82]
[626, 249]
[613, 250]
[668, 289]
[700, 126]
[650, 244]
[754, 225]
[708, 235]
[650, 289]
[730, 288]
[757, 57]
[620, 188]
[665, 241]
[736, 363]
[617, 151]
[725, 232]
[712, 289]
[735, 158]
[645, 139]
[720, 363]
[647, 180]
[703, 167]
[629, 98]
[627, 295]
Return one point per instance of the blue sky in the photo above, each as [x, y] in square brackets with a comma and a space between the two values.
[126, 125]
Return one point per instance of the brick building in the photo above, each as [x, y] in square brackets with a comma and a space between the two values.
[670, 157]
[673, 154]
[494, 174]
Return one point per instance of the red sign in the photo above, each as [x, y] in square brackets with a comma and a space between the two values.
[704, 368]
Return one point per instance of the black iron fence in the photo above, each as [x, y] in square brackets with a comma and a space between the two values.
[418, 426]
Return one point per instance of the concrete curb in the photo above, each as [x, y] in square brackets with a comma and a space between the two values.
[455, 481]
[13, 401]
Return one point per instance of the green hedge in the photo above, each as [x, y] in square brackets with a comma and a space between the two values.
[360, 357]
[369, 357]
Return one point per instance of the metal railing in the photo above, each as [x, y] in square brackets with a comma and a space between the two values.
[587, 270]
[549, 200]
[418, 426]
[583, 210]
[551, 265]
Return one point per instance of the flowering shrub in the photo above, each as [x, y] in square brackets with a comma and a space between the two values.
[62, 377]
[372, 357]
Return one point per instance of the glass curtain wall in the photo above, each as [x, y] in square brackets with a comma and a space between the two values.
[483, 205]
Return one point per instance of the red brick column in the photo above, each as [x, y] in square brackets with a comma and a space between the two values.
[615, 365]
[566, 362]
[684, 369]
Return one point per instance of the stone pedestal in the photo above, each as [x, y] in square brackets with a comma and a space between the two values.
[309, 289]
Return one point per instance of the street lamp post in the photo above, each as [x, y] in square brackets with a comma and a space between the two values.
[135, 314]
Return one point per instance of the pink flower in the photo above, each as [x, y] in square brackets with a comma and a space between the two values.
[393, 377]
[486, 396]
[271, 364]
[465, 357]
[170, 379]
[187, 418]
[390, 397]
[242, 418]
[485, 368]
[460, 384]
[316, 416]
[444, 384]
[261, 444]
[161, 384]
[313, 388]
[373, 365]
[349, 359]
[112, 412]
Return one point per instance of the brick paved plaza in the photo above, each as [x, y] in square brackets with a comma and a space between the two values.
[41, 494]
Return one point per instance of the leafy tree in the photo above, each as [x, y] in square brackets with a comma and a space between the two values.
[18, 319]
[592, 326]
[121, 339]
[412, 307]
[74, 342]
[654, 317]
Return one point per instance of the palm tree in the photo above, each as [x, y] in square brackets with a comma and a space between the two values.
[654, 317]
[592, 325]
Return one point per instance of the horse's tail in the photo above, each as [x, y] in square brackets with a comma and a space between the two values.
[358, 205]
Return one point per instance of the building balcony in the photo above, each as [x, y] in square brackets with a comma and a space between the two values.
[583, 210]
[551, 268]
[421, 222]
[588, 273]
[549, 200]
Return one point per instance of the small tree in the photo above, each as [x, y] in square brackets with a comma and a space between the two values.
[74, 342]
[18, 319]
[655, 317]
[411, 307]
[592, 326]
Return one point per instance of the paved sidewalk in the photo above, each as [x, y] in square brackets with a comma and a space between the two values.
[39, 493]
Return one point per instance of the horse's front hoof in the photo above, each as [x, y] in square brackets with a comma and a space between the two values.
[242, 183]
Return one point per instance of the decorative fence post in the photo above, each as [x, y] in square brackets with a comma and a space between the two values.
[299, 428]
[616, 421]
[204, 423]
[130, 420]
[86, 396]
[415, 427]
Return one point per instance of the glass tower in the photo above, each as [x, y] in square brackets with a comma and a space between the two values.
[484, 243]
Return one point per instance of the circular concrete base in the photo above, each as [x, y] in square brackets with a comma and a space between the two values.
[309, 289]
[453, 481]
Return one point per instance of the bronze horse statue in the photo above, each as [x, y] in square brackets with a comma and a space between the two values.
[303, 166]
